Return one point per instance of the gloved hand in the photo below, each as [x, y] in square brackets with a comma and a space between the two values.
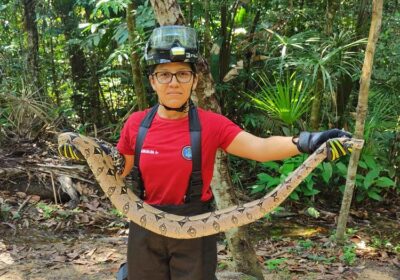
[308, 142]
[71, 152]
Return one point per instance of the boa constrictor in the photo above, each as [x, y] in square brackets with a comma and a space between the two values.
[186, 227]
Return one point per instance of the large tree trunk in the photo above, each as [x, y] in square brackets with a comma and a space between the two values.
[361, 114]
[135, 59]
[168, 12]
[33, 44]
[245, 259]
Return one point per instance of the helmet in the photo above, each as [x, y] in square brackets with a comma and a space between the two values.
[172, 43]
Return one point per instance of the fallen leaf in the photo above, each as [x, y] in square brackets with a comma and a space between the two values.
[60, 259]
[91, 252]
[21, 195]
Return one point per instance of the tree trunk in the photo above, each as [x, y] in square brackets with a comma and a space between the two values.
[361, 114]
[315, 117]
[362, 17]
[207, 32]
[33, 44]
[135, 59]
[245, 260]
[168, 12]
[331, 9]
[242, 250]
[86, 90]
[55, 88]
[227, 26]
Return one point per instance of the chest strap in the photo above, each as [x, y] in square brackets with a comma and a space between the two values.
[195, 184]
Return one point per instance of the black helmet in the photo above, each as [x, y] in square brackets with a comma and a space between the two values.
[172, 43]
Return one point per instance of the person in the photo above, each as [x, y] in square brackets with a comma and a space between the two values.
[170, 149]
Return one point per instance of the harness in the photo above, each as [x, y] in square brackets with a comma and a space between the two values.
[195, 184]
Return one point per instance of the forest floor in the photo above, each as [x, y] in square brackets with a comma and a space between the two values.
[41, 240]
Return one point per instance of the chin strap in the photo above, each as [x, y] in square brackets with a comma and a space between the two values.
[183, 108]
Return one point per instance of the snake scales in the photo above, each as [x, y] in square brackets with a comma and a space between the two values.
[186, 227]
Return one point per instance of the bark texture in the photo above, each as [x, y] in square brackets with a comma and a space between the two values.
[32, 44]
[331, 8]
[361, 115]
[135, 59]
[245, 259]
[168, 12]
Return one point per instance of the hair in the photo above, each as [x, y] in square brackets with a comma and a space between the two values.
[151, 68]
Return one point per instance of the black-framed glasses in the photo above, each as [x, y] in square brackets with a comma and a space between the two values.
[166, 77]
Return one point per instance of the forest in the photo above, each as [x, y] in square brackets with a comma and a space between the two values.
[272, 67]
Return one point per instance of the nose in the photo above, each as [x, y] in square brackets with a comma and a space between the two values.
[174, 81]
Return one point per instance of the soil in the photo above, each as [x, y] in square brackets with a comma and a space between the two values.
[46, 241]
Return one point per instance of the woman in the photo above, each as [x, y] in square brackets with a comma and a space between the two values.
[173, 158]
[171, 149]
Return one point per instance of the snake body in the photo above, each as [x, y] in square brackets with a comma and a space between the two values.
[186, 227]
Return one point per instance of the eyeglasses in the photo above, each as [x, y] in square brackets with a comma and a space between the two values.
[166, 77]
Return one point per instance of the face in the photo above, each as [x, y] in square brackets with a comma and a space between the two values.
[173, 94]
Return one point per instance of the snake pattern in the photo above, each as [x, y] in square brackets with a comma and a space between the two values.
[186, 227]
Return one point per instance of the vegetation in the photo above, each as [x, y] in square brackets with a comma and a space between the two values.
[299, 75]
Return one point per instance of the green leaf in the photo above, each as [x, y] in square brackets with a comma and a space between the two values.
[263, 178]
[359, 180]
[271, 164]
[312, 192]
[310, 184]
[287, 168]
[370, 161]
[257, 189]
[273, 182]
[362, 164]
[375, 196]
[370, 178]
[384, 182]
[327, 172]
[342, 168]
[294, 196]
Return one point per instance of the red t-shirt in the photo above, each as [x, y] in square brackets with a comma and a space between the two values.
[165, 161]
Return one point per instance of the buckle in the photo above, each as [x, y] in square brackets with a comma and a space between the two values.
[196, 179]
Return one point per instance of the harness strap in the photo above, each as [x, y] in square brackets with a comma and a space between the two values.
[144, 127]
[195, 185]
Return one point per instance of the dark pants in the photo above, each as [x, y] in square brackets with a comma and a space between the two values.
[155, 257]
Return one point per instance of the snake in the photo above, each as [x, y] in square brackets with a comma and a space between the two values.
[188, 227]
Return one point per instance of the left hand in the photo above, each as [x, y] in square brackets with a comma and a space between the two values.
[308, 142]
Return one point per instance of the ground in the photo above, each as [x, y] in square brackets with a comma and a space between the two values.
[41, 240]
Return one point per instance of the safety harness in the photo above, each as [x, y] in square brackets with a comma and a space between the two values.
[195, 185]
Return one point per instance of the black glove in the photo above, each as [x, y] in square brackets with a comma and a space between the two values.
[71, 152]
[308, 142]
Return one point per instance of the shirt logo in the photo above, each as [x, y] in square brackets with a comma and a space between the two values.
[187, 153]
[150, 152]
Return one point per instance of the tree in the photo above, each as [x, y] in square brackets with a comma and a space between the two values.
[168, 12]
[33, 44]
[135, 60]
[361, 115]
